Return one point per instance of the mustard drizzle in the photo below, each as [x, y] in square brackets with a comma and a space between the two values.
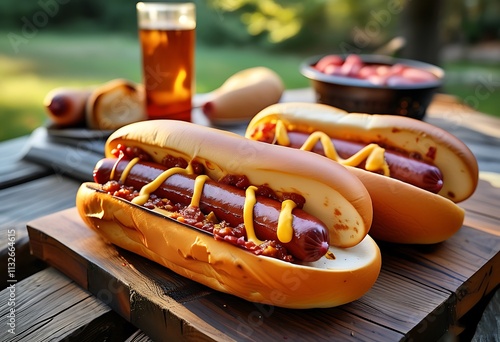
[372, 153]
[250, 201]
[127, 169]
[147, 189]
[199, 182]
[284, 230]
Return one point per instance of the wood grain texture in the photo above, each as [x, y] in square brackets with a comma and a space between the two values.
[24, 202]
[138, 336]
[421, 293]
[72, 158]
[165, 305]
[489, 322]
[51, 307]
[13, 169]
[482, 209]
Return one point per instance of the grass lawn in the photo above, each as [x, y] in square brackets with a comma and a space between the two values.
[51, 60]
[478, 85]
[48, 61]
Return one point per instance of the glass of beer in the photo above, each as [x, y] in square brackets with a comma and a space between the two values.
[167, 37]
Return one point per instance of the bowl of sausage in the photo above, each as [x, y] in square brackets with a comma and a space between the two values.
[373, 84]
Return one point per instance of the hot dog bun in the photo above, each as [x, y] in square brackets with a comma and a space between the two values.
[243, 95]
[226, 268]
[342, 202]
[114, 104]
[402, 213]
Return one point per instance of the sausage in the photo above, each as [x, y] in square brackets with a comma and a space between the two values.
[66, 106]
[403, 168]
[310, 235]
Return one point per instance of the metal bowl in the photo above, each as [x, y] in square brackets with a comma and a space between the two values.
[357, 95]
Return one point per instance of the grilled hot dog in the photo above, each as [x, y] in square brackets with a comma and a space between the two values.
[417, 172]
[410, 170]
[310, 238]
[269, 212]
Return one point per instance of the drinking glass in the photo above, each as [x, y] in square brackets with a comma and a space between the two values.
[167, 38]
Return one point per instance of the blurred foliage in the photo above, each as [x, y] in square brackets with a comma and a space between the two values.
[48, 43]
[321, 25]
[480, 20]
[275, 24]
[115, 15]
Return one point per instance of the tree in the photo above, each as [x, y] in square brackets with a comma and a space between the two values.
[420, 26]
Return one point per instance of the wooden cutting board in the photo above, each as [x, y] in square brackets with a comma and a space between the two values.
[422, 291]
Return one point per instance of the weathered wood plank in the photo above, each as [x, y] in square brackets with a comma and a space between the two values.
[255, 322]
[482, 222]
[401, 303]
[73, 158]
[24, 202]
[478, 132]
[29, 200]
[490, 322]
[94, 265]
[14, 170]
[165, 305]
[421, 292]
[467, 265]
[457, 113]
[49, 306]
[482, 208]
[138, 336]
[449, 273]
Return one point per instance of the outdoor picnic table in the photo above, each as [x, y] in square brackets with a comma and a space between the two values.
[62, 281]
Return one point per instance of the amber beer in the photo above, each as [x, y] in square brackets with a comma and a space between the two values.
[167, 43]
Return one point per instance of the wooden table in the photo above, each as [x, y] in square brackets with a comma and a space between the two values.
[78, 287]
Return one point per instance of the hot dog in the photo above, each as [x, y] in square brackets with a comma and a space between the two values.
[310, 240]
[414, 172]
[106, 106]
[163, 183]
[66, 106]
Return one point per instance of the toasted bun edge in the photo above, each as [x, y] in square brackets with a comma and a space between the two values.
[341, 202]
[455, 160]
[226, 268]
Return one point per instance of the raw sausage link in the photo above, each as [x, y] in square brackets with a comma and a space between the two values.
[408, 170]
[310, 238]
